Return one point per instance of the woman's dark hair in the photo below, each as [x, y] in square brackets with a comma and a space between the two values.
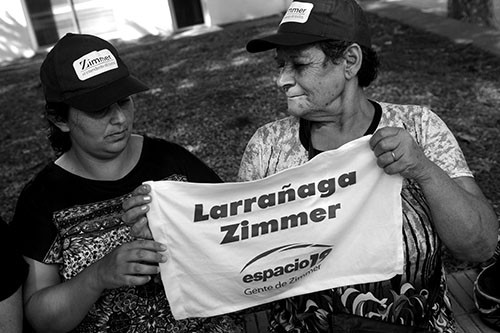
[334, 49]
[59, 140]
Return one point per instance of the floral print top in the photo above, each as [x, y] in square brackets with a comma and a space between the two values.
[416, 298]
[71, 221]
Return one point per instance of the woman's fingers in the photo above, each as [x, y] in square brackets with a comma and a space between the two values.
[131, 264]
[135, 209]
[140, 197]
[140, 229]
[133, 215]
[384, 139]
[387, 158]
[137, 280]
[143, 189]
[147, 251]
[398, 153]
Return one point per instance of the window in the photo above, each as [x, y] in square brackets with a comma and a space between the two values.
[52, 19]
[187, 12]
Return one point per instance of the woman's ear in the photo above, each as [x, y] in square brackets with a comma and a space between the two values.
[58, 121]
[353, 56]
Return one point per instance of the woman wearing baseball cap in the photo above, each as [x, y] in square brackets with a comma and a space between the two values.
[87, 272]
[324, 53]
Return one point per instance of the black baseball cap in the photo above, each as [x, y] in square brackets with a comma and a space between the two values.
[86, 72]
[317, 20]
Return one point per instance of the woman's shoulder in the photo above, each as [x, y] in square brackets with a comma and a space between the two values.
[50, 175]
[282, 129]
[151, 141]
[163, 159]
[404, 112]
[282, 123]
[154, 145]
[50, 182]
[160, 151]
[414, 118]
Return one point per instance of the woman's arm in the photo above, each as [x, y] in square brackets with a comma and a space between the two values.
[52, 306]
[11, 313]
[463, 218]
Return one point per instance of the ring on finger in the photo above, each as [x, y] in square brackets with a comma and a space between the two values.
[393, 156]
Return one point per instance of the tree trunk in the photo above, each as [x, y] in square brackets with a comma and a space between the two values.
[480, 12]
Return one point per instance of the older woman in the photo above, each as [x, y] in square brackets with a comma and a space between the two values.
[323, 50]
[324, 53]
[87, 272]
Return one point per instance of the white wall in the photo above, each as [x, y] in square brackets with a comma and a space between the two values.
[136, 18]
[227, 11]
[15, 40]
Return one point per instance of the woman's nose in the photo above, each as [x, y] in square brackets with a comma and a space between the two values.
[117, 113]
[285, 78]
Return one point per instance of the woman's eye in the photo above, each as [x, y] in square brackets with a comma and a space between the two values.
[124, 101]
[100, 113]
[294, 65]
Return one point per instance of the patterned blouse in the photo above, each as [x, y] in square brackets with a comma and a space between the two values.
[72, 221]
[416, 298]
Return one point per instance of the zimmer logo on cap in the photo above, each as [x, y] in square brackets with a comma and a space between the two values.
[94, 63]
[298, 12]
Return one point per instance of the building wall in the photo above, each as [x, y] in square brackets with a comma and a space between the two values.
[15, 39]
[133, 19]
[136, 19]
[228, 11]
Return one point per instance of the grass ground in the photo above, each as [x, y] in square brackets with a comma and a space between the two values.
[208, 94]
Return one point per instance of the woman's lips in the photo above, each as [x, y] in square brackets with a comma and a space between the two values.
[117, 135]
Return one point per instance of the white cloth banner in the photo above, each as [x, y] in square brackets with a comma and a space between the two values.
[331, 222]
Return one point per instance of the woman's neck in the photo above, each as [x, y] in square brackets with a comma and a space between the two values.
[95, 168]
[351, 124]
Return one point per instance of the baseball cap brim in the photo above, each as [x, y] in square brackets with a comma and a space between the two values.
[104, 96]
[282, 39]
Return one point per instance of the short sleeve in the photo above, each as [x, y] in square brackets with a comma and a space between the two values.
[274, 147]
[32, 224]
[441, 146]
[250, 168]
[431, 133]
[13, 260]
[197, 171]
